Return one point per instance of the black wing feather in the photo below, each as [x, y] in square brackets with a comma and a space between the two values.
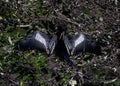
[52, 43]
[39, 41]
[68, 44]
[80, 43]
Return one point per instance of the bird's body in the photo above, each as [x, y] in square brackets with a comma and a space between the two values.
[61, 51]
[64, 45]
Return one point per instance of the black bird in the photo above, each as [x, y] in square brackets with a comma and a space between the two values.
[64, 45]
[60, 49]
[80, 43]
[39, 41]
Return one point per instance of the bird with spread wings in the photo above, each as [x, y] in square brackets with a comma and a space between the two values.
[64, 46]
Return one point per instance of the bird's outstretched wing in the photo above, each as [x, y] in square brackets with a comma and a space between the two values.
[80, 43]
[39, 41]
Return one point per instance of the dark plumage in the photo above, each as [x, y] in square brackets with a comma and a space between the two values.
[39, 41]
[80, 43]
[61, 51]
[64, 45]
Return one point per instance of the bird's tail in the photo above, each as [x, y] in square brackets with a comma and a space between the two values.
[68, 60]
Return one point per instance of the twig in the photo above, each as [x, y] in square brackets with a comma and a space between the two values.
[110, 81]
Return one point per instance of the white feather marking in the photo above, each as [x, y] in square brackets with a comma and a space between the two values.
[40, 38]
[79, 40]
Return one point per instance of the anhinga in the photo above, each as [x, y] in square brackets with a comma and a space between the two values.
[64, 45]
